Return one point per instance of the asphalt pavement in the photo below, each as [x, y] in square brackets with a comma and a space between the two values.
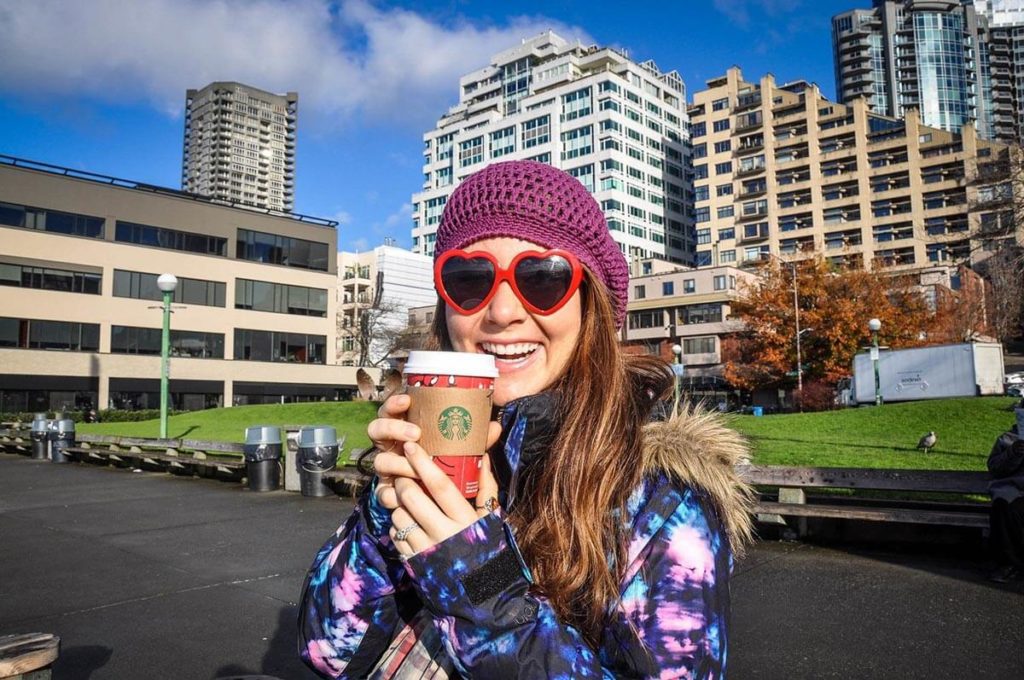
[147, 575]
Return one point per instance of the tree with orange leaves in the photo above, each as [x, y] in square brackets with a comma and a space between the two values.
[835, 306]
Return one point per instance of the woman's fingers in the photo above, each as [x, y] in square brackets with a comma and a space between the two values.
[394, 406]
[488, 488]
[384, 432]
[440, 487]
[393, 465]
[402, 531]
[385, 493]
[493, 433]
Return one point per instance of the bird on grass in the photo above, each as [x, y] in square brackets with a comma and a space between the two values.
[927, 442]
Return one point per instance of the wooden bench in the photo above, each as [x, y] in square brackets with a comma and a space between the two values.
[793, 482]
[28, 656]
[173, 455]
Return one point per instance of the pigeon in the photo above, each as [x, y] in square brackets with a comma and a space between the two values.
[927, 442]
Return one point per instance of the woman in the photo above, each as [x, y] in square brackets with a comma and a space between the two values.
[600, 544]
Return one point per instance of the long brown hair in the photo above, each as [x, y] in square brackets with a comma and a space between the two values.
[565, 523]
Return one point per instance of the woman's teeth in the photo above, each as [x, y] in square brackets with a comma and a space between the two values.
[511, 352]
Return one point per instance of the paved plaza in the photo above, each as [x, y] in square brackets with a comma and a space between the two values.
[145, 575]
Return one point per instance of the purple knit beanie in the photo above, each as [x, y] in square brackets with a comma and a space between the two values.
[539, 203]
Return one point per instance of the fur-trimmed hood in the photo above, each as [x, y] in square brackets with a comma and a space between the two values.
[697, 449]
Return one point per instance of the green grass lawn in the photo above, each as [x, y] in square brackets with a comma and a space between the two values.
[882, 437]
[349, 418]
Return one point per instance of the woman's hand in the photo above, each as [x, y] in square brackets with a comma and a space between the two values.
[421, 518]
[389, 430]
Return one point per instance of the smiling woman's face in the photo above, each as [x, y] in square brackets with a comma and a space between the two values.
[530, 350]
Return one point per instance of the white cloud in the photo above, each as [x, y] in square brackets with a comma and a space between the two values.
[345, 59]
[359, 245]
[739, 11]
[342, 217]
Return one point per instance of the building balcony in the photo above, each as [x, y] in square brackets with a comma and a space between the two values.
[749, 172]
[748, 148]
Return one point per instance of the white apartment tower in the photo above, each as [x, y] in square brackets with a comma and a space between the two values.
[619, 126]
[240, 145]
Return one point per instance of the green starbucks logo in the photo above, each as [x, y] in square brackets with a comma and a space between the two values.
[455, 423]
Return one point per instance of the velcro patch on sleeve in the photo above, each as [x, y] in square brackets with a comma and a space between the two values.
[493, 577]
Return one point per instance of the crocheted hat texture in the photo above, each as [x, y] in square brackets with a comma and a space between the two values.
[539, 203]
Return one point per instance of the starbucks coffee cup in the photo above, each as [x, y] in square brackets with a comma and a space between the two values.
[450, 396]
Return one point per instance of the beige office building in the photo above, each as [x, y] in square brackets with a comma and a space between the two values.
[80, 318]
[782, 171]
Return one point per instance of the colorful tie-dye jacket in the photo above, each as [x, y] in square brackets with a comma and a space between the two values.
[688, 517]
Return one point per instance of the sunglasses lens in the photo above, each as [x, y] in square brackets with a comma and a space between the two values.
[544, 282]
[467, 281]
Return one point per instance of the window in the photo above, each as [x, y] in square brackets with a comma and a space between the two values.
[699, 345]
[722, 147]
[53, 335]
[701, 215]
[639, 292]
[726, 211]
[172, 239]
[282, 298]
[700, 150]
[701, 193]
[723, 190]
[502, 142]
[576, 104]
[258, 246]
[726, 234]
[257, 345]
[706, 313]
[721, 125]
[195, 344]
[700, 171]
[720, 282]
[689, 286]
[536, 132]
[471, 151]
[703, 258]
[585, 174]
[668, 288]
[49, 278]
[578, 142]
[698, 130]
[142, 286]
[720, 104]
[726, 256]
[723, 168]
[703, 236]
[651, 318]
[53, 221]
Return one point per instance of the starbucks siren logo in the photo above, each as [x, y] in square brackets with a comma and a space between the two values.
[455, 423]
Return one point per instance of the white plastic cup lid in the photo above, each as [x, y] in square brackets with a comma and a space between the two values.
[470, 364]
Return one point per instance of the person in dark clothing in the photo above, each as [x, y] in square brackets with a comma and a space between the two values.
[1006, 464]
[604, 542]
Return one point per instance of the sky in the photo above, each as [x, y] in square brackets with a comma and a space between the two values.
[99, 85]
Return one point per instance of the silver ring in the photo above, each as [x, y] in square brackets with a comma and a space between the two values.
[401, 534]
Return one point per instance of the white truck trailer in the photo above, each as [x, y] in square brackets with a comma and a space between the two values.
[965, 370]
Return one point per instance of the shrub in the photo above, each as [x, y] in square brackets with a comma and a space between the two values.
[817, 395]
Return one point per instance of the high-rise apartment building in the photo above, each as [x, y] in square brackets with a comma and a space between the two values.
[781, 171]
[921, 54]
[240, 145]
[617, 125]
[1001, 12]
[376, 289]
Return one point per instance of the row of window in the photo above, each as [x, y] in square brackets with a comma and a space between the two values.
[49, 278]
[719, 282]
[255, 246]
[250, 345]
[710, 312]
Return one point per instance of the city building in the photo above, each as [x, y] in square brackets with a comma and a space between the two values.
[80, 314]
[240, 145]
[617, 125]
[1006, 55]
[917, 54]
[376, 289]
[674, 305]
[780, 171]
[1001, 12]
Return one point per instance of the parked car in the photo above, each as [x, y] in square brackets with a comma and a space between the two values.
[1014, 378]
[1015, 391]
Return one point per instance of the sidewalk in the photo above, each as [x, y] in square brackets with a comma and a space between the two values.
[148, 575]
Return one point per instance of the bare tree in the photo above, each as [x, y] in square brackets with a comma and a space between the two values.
[379, 331]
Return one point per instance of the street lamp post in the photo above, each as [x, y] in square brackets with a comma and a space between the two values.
[796, 314]
[677, 350]
[166, 283]
[875, 325]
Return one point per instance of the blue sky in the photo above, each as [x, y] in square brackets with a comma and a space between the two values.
[99, 85]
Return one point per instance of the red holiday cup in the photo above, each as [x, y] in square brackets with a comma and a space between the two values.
[450, 394]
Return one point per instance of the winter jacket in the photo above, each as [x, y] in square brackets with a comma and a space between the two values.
[687, 518]
[1006, 465]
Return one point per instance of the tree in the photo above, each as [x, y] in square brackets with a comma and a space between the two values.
[835, 306]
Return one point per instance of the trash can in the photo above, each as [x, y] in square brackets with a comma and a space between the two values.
[263, 457]
[318, 453]
[758, 410]
[40, 437]
[62, 436]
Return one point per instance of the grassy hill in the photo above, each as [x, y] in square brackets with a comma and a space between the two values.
[862, 437]
[882, 437]
[228, 424]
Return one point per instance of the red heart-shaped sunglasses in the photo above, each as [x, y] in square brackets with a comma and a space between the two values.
[543, 281]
